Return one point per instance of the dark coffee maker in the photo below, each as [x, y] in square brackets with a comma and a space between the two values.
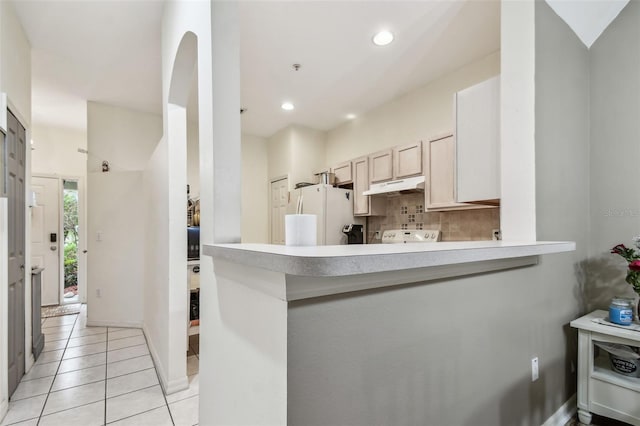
[354, 234]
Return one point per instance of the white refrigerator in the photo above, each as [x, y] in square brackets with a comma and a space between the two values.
[333, 208]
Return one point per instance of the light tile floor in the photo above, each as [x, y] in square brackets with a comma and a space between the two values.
[99, 375]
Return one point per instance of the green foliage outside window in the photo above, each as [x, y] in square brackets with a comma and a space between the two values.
[70, 227]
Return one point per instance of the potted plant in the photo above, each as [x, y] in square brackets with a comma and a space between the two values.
[633, 265]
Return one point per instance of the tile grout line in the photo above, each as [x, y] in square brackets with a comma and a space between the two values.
[86, 368]
[106, 376]
[56, 374]
[133, 372]
[137, 414]
[164, 396]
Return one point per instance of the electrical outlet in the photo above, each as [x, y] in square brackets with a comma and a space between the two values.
[98, 293]
[534, 369]
[496, 234]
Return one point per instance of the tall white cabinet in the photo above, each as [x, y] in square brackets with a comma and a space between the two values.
[477, 141]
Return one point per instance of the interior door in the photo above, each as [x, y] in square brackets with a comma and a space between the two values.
[45, 226]
[15, 145]
[279, 201]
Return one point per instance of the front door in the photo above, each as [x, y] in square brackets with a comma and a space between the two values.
[16, 204]
[45, 225]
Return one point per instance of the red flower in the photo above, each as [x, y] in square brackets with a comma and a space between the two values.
[635, 265]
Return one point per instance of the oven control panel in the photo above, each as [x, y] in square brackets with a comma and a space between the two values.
[399, 236]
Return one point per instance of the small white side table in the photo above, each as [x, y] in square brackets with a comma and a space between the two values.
[600, 390]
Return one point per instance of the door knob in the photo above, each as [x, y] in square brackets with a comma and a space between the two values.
[84, 251]
[22, 267]
[53, 248]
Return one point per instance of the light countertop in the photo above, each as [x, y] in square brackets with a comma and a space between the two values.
[345, 260]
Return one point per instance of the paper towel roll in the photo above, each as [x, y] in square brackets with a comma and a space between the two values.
[300, 229]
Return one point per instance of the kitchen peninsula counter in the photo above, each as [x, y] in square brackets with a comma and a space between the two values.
[391, 264]
[347, 334]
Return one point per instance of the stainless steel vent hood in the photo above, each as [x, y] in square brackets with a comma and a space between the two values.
[394, 187]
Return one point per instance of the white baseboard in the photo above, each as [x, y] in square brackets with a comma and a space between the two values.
[169, 387]
[564, 413]
[119, 324]
[29, 361]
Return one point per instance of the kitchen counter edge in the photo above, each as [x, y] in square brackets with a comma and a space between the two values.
[345, 260]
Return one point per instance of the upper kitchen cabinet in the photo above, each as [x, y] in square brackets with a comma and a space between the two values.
[343, 173]
[439, 163]
[407, 160]
[381, 166]
[477, 134]
[364, 205]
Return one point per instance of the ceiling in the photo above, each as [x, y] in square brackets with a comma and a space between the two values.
[109, 51]
[588, 19]
[92, 50]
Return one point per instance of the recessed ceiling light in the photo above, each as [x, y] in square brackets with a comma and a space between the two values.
[351, 116]
[383, 38]
[287, 106]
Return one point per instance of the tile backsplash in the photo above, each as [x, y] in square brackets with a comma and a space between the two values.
[407, 212]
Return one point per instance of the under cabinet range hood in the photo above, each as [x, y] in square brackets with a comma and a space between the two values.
[395, 187]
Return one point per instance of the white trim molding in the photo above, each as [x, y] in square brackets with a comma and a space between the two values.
[168, 387]
[564, 413]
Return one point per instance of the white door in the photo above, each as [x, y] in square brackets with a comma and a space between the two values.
[279, 201]
[45, 227]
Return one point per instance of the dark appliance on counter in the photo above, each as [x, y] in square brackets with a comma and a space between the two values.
[354, 233]
[193, 243]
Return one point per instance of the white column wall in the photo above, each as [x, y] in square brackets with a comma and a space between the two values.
[255, 190]
[517, 88]
[156, 286]
[220, 161]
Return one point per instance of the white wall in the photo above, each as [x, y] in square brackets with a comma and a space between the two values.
[308, 152]
[156, 250]
[279, 157]
[124, 137]
[116, 258]
[255, 196]
[15, 81]
[615, 132]
[15, 64]
[255, 190]
[418, 115]
[55, 151]
[296, 151]
[116, 210]
[193, 159]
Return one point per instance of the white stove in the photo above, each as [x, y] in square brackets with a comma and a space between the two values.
[400, 236]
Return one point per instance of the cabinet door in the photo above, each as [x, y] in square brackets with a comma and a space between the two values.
[381, 166]
[360, 184]
[477, 111]
[343, 173]
[407, 160]
[440, 165]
